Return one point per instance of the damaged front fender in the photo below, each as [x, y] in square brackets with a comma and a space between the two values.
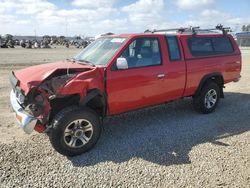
[84, 82]
[60, 88]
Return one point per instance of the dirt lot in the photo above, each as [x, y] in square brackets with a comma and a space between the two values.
[164, 146]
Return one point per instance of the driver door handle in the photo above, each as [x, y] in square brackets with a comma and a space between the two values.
[161, 76]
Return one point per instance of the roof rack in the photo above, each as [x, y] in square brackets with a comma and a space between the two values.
[179, 30]
[193, 30]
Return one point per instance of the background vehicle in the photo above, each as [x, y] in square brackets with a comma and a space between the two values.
[120, 73]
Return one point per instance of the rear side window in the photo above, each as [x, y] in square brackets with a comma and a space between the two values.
[222, 45]
[173, 47]
[200, 46]
[210, 46]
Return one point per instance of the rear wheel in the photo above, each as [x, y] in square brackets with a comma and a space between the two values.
[208, 98]
[75, 131]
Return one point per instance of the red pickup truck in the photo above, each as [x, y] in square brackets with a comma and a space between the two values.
[119, 73]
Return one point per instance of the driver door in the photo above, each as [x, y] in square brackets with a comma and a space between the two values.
[142, 83]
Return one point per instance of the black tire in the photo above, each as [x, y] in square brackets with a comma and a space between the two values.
[200, 100]
[70, 118]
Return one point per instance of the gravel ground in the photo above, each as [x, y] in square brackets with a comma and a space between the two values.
[165, 146]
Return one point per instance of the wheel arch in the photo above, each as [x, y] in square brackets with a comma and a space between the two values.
[96, 100]
[216, 77]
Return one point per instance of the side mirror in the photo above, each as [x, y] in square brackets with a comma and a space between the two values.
[121, 63]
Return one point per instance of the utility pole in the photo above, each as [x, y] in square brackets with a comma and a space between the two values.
[66, 26]
[35, 33]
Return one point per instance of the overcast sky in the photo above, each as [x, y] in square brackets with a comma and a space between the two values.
[92, 17]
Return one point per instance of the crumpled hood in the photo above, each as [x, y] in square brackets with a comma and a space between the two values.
[33, 76]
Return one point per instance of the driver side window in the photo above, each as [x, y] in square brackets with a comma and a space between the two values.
[143, 52]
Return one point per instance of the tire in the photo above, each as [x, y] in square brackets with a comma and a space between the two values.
[207, 99]
[74, 131]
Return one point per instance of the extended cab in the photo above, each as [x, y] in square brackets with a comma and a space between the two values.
[120, 73]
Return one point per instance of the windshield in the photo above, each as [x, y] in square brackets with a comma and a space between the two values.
[100, 51]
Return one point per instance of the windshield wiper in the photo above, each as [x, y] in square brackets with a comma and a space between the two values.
[73, 60]
[85, 61]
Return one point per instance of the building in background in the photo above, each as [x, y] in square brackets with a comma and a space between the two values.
[243, 38]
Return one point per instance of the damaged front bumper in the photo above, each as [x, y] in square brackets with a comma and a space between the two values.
[26, 121]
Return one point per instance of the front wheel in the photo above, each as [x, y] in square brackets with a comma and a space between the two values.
[206, 101]
[74, 131]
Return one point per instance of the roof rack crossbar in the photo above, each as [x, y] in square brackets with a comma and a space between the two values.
[217, 28]
[194, 30]
[166, 30]
[175, 29]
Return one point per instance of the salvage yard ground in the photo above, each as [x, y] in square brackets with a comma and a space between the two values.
[165, 146]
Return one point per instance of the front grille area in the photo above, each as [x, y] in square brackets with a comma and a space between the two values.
[20, 97]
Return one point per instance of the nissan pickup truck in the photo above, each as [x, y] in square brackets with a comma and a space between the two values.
[69, 99]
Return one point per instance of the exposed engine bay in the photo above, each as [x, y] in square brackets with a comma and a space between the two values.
[40, 99]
